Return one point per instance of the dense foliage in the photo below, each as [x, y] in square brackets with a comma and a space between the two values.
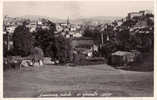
[45, 39]
[22, 41]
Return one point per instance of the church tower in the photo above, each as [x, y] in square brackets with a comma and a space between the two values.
[68, 21]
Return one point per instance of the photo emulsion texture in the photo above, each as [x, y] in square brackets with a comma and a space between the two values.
[78, 49]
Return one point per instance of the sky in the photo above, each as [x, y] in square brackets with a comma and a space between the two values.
[74, 9]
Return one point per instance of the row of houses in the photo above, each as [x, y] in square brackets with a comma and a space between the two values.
[69, 30]
[66, 29]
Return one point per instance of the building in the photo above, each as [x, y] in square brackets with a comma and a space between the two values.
[145, 12]
[119, 22]
[82, 42]
[124, 57]
[82, 46]
[77, 35]
[139, 14]
[135, 14]
[10, 29]
[59, 28]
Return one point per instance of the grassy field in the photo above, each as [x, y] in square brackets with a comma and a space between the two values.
[145, 65]
[120, 83]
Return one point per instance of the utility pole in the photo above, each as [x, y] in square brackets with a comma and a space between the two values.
[102, 34]
[102, 38]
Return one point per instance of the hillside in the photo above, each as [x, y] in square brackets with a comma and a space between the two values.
[97, 19]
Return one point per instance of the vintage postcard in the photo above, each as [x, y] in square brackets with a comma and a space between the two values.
[78, 49]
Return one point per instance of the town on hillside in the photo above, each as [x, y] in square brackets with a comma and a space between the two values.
[65, 42]
[86, 57]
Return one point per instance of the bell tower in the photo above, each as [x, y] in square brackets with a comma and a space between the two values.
[68, 21]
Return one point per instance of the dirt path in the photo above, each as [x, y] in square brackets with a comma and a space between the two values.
[80, 78]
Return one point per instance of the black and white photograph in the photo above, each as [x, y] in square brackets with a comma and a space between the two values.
[78, 49]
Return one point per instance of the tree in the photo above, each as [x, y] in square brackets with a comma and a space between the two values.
[22, 40]
[45, 39]
[88, 32]
[123, 39]
[63, 48]
[93, 32]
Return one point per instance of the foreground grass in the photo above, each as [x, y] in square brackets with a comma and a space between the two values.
[31, 83]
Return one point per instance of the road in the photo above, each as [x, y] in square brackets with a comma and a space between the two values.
[119, 83]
